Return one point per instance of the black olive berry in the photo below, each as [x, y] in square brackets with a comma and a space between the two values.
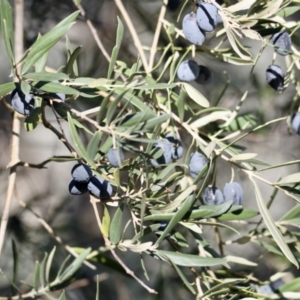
[191, 30]
[212, 196]
[22, 103]
[233, 191]
[207, 17]
[197, 162]
[77, 188]
[81, 173]
[205, 75]
[100, 188]
[177, 150]
[115, 156]
[282, 43]
[275, 77]
[296, 122]
[188, 70]
[166, 156]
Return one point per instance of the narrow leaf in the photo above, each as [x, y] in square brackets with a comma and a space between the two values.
[6, 88]
[115, 52]
[243, 156]
[72, 67]
[278, 238]
[7, 29]
[36, 275]
[183, 278]
[106, 222]
[293, 178]
[54, 87]
[195, 95]
[33, 119]
[75, 265]
[45, 76]
[188, 260]
[93, 146]
[115, 230]
[49, 264]
[47, 41]
[177, 216]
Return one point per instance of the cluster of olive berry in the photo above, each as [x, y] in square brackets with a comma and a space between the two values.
[274, 74]
[83, 181]
[211, 194]
[171, 148]
[194, 27]
[232, 191]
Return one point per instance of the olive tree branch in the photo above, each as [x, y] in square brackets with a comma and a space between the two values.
[93, 32]
[16, 124]
[60, 136]
[133, 33]
[157, 34]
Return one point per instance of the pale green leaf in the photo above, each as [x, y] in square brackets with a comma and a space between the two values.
[115, 52]
[6, 88]
[115, 230]
[293, 178]
[188, 260]
[195, 95]
[243, 156]
[278, 238]
[7, 29]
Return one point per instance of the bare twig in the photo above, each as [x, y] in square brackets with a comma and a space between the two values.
[60, 136]
[157, 34]
[133, 33]
[93, 32]
[16, 124]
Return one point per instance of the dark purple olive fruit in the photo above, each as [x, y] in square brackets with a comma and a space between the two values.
[81, 173]
[177, 150]
[207, 16]
[191, 30]
[22, 103]
[188, 70]
[100, 188]
[275, 77]
[205, 75]
[115, 156]
[212, 196]
[197, 162]
[163, 225]
[282, 43]
[166, 156]
[173, 5]
[77, 188]
[296, 122]
[233, 191]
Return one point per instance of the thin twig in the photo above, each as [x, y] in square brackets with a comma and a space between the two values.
[157, 34]
[93, 32]
[60, 136]
[96, 36]
[218, 238]
[133, 33]
[16, 124]
[109, 246]
[51, 231]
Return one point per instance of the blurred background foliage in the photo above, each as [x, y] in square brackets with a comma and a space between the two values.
[44, 215]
